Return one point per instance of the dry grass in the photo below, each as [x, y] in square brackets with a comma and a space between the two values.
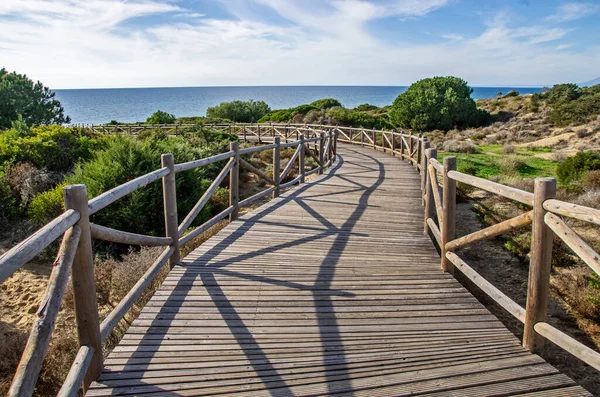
[456, 146]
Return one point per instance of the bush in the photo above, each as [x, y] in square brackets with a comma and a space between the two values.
[326, 103]
[127, 158]
[469, 169]
[26, 181]
[507, 148]
[591, 180]
[53, 147]
[240, 111]
[577, 111]
[440, 103]
[160, 117]
[511, 165]
[353, 118]
[33, 102]
[365, 107]
[574, 168]
[563, 93]
[8, 207]
[456, 146]
[512, 93]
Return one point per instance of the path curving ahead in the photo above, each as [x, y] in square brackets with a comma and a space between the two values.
[330, 289]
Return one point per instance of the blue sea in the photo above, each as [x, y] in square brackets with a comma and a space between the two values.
[98, 106]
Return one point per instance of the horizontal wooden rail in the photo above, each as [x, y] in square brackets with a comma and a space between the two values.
[109, 197]
[202, 228]
[289, 144]
[436, 165]
[74, 379]
[119, 236]
[253, 149]
[111, 321]
[257, 196]
[187, 221]
[573, 210]
[492, 231]
[26, 250]
[572, 239]
[291, 183]
[33, 356]
[493, 187]
[202, 162]
[498, 296]
[563, 340]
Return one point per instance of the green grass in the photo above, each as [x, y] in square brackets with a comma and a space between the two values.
[486, 162]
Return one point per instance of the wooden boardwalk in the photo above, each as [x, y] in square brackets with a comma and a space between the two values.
[330, 289]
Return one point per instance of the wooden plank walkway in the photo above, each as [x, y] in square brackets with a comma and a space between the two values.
[330, 289]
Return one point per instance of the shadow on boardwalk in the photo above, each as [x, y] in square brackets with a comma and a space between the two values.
[336, 373]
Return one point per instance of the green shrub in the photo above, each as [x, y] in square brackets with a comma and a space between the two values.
[469, 169]
[303, 109]
[326, 103]
[53, 147]
[437, 103]
[160, 117]
[127, 158]
[365, 107]
[239, 111]
[574, 168]
[33, 102]
[563, 93]
[353, 118]
[280, 116]
[512, 93]
[591, 180]
[577, 111]
[8, 207]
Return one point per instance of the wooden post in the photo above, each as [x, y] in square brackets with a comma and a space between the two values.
[448, 231]
[410, 146]
[276, 165]
[244, 132]
[170, 206]
[402, 145]
[374, 137]
[301, 154]
[424, 147]
[234, 182]
[393, 143]
[258, 132]
[331, 148]
[84, 284]
[540, 264]
[335, 138]
[362, 137]
[419, 149]
[429, 203]
[321, 154]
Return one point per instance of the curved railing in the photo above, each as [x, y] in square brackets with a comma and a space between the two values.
[438, 184]
[75, 253]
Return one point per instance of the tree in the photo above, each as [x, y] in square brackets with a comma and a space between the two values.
[240, 111]
[563, 93]
[437, 103]
[19, 95]
[160, 117]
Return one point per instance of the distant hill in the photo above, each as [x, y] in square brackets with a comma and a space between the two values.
[591, 82]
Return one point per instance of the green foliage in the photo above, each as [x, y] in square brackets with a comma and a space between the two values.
[54, 147]
[574, 168]
[576, 111]
[239, 111]
[512, 93]
[326, 103]
[8, 207]
[33, 101]
[127, 158]
[365, 107]
[562, 93]
[280, 116]
[437, 103]
[355, 118]
[160, 117]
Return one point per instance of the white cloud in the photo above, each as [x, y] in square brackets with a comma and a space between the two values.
[88, 44]
[573, 11]
[453, 36]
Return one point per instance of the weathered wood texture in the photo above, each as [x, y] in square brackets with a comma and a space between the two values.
[332, 288]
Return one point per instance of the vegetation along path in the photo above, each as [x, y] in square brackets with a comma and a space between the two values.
[330, 288]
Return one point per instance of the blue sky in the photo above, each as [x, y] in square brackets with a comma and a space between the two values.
[148, 43]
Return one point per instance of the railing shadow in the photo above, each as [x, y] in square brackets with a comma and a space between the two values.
[335, 368]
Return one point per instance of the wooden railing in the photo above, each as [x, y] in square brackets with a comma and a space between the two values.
[75, 255]
[438, 183]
